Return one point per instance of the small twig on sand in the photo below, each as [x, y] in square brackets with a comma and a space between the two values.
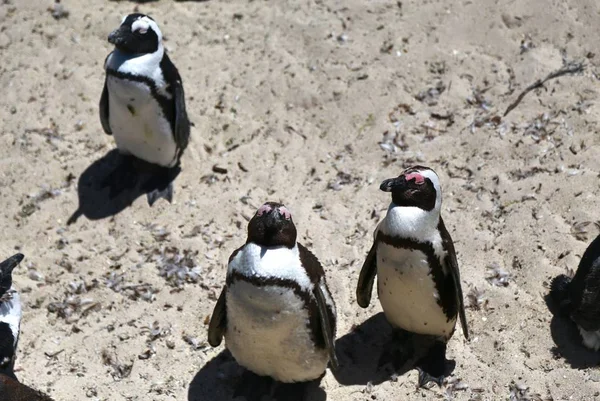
[570, 68]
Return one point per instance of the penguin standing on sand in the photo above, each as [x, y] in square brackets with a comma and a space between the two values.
[579, 297]
[143, 107]
[10, 320]
[275, 312]
[414, 259]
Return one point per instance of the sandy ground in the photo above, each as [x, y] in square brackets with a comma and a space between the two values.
[312, 103]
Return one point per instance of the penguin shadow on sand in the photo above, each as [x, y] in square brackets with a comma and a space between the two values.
[100, 198]
[568, 340]
[223, 379]
[366, 354]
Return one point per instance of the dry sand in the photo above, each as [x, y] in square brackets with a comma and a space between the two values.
[293, 98]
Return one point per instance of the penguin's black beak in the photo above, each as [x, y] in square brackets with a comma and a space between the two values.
[9, 264]
[119, 37]
[6, 269]
[393, 183]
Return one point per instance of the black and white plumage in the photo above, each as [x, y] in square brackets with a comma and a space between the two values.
[143, 101]
[275, 312]
[10, 314]
[579, 296]
[10, 321]
[415, 262]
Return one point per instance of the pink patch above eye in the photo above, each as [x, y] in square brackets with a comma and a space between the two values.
[264, 209]
[286, 213]
[419, 179]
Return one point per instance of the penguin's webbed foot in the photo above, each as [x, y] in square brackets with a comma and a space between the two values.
[426, 378]
[432, 368]
[160, 184]
[157, 193]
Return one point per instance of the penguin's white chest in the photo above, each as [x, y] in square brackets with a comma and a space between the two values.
[138, 123]
[10, 313]
[267, 324]
[407, 292]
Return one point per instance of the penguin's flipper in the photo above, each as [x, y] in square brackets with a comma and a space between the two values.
[181, 129]
[325, 324]
[452, 265]
[182, 123]
[367, 277]
[218, 320]
[104, 110]
[157, 193]
[327, 328]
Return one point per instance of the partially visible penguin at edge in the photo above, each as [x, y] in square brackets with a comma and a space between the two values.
[579, 296]
[10, 324]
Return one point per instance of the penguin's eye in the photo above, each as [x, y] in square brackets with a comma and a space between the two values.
[142, 30]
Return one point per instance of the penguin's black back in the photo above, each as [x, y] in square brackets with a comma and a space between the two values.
[584, 289]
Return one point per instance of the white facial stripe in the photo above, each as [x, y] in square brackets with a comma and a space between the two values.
[433, 177]
[123, 20]
[154, 27]
[435, 180]
[141, 25]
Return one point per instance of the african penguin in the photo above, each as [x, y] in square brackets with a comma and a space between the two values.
[10, 314]
[579, 297]
[414, 259]
[275, 311]
[143, 105]
[10, 320]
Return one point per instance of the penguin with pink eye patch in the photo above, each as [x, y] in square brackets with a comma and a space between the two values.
[275, 311]
[418, 281]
